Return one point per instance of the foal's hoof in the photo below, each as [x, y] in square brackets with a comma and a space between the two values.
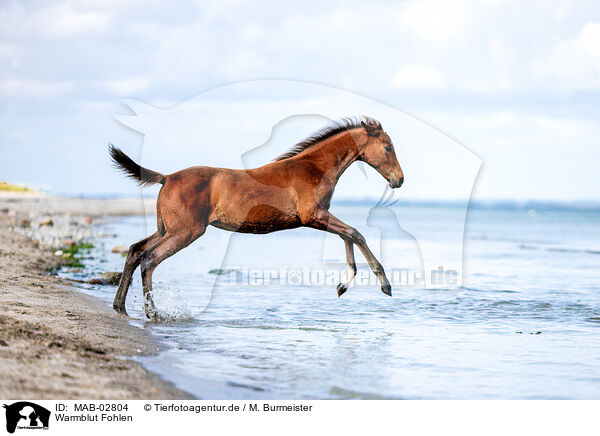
[154, 316]
[341, 288]
[386, 289]
[120, 309]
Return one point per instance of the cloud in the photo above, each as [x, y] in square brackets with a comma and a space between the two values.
[18, 87]
[53, 20]
[127, 86]
[430, 46]
[247, 62]
[63, 21]
[590, 38]
[8, 53]
[418, 77]
[527, 155]
[434, 20]
[570, 65]
[488, 57]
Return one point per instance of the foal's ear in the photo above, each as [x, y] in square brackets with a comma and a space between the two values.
[370, 128]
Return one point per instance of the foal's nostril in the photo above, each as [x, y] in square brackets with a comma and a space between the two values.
[400, 181]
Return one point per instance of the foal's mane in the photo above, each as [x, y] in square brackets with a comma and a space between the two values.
[327, 132]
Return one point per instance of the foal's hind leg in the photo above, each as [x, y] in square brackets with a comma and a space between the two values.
[132, 262]
[350, 268]
[170, 244]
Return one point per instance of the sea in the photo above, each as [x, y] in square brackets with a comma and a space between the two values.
[516, 315]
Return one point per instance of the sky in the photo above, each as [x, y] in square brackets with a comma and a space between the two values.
[515, 83]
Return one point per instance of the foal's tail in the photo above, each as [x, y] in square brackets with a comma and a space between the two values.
[124, 163]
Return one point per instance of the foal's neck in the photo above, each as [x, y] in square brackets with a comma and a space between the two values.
[335, 154]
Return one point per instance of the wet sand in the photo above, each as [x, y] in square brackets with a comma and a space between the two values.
[56, 343]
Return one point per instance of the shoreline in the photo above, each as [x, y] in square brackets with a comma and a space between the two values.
[56, 342]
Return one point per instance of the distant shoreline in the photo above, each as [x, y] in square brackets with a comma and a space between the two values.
[76, 206]
[126, 205]
[591, 205]
[55, 342]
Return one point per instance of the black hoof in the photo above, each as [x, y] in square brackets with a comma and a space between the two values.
[386, 289]
[341, 288]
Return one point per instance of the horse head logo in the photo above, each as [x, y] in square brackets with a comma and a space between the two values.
[24, 414]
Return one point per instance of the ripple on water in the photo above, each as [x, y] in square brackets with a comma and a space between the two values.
[347, 394]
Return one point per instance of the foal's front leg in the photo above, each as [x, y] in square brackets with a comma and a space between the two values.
[324, 220]
[350, 268]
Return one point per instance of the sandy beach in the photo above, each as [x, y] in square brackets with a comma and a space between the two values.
[56, 343]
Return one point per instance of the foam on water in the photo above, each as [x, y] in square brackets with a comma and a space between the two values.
[171, 304]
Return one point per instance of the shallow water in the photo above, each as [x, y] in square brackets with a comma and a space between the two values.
[524, 324]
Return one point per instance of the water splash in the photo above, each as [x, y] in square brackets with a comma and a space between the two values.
[171, 304]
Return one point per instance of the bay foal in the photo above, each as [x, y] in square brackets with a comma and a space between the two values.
[292, 191]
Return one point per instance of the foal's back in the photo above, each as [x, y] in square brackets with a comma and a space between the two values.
[259, 200]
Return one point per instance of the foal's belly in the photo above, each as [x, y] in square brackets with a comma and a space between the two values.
[243, 204]
[258, 219]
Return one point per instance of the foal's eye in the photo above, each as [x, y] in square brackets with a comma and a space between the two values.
[388, 148]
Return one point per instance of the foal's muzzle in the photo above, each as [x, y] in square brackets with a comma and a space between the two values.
[396, 183]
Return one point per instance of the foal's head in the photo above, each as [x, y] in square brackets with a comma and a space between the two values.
[379, 153]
